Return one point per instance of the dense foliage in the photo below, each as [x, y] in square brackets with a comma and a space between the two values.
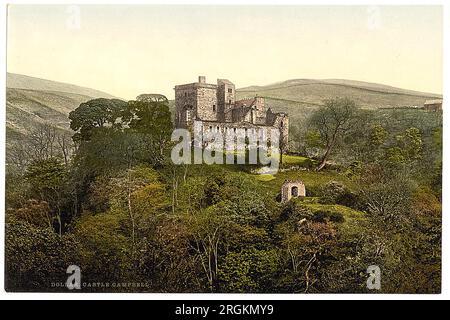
[132, 221]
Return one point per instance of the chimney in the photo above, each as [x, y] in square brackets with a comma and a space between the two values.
[201, 79]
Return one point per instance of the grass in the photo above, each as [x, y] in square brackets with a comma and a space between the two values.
[347, 212]
[296, 160]
[352, 219]
[264, 177]
[313, 180]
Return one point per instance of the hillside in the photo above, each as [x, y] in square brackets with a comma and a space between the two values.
[20, 81]
[30, 101]
[299, 97]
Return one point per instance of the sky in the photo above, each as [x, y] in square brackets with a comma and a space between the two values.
[127, 50]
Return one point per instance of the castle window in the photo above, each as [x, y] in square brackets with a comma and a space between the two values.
[229, 101]
[218, 129]
[234, 129]
[230, 90]
[185, 94]
[214, 108]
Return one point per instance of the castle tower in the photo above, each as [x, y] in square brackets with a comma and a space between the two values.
[226, 97]
[194, 101]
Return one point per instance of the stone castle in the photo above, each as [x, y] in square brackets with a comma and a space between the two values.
[214, 107]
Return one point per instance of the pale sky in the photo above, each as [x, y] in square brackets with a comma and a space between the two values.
[129, 50]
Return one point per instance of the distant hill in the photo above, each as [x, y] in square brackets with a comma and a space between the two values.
[30, 101]
[299, 97]
[19, 81]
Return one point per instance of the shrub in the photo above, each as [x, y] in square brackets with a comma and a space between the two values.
[337, 193]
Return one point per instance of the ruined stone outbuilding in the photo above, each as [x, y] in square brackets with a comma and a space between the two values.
[292, 189]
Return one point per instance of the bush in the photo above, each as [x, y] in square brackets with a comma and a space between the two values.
[337, 193]
[37, 258]
[324, 216]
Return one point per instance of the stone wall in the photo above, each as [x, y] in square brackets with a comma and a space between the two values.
[239, 129]
[207, 104]
[185, 98]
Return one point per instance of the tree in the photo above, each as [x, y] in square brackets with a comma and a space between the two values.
[152, 120]
[47, 179]
[378, 135]
[96, 113]
[333, 121]
[139, 195]
[45, 141]
[36, 213]
[249, 270]
[387, 194]
[36, 258]
[411, 143]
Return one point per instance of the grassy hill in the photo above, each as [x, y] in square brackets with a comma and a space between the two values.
[299, 97]
[30, 101]
[20, 81]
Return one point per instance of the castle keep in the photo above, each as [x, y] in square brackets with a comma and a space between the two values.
[215, 107]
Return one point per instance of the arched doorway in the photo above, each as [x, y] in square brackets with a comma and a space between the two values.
[294, 191]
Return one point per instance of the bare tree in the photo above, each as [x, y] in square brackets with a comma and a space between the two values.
[333, 121]
[45, 141]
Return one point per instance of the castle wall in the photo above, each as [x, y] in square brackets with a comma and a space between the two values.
[207, 104]
[185, 98]
[240, 129]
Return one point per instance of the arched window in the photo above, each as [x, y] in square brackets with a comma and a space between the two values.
[294, 191]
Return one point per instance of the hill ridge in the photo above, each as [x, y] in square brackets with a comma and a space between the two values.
[21, 81]
[378, 87]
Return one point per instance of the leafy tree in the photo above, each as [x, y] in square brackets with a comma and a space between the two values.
[36, 213]
[306, 247]
[378, 135]
[138, 195]
[96, 113]
[105, 250]
[152, 119]
[249, 270]
[411, 143]
[47, 179]
[37, 258]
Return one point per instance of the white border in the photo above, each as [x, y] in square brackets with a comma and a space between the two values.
[165, 296]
